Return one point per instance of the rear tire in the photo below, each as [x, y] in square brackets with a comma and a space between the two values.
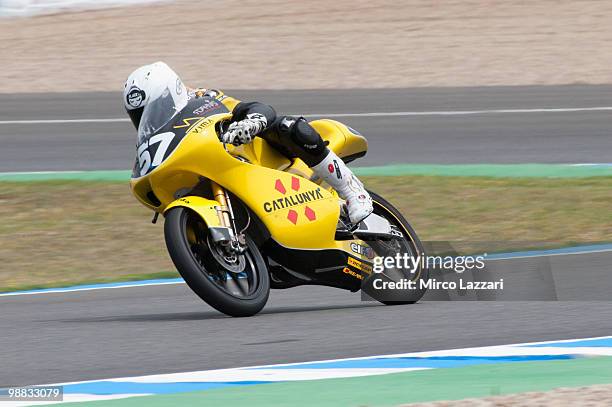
[189, 247]
[384, 208]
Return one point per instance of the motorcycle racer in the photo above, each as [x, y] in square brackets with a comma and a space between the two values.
[292, 136]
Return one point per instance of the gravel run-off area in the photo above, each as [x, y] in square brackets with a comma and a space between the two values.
[280, 44]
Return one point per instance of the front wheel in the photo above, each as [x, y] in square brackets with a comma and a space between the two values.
[237, 285]
[407, 245]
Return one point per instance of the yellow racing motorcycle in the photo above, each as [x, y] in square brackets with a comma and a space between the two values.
[241, 220]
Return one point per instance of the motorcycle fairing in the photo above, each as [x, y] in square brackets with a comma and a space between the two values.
[155, 149]
[331, 267]
[297, 212]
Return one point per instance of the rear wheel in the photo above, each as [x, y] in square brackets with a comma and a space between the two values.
[408, 244]
[237, 285]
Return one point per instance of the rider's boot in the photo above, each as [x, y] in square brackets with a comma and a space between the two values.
[335, 172]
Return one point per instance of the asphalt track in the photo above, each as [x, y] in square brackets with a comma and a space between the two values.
[512, 137]
[50, 338]
[146, 330]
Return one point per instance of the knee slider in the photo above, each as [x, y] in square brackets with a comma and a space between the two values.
[305, 134]
[302, 134]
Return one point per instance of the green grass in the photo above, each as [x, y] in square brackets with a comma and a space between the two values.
[57, 233]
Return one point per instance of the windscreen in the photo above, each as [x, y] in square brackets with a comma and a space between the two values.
[156, 115]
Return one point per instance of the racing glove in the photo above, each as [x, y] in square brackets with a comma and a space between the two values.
[243, 131]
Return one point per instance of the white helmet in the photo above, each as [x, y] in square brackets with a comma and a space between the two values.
[154, 92]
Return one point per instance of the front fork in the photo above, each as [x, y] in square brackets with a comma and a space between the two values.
[237, 241]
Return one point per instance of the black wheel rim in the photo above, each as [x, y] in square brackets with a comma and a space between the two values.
[394, 246]
[241, 285]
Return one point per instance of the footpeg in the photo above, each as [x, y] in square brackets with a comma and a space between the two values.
[374, 227]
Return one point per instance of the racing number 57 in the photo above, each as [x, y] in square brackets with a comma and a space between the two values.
[144, 155]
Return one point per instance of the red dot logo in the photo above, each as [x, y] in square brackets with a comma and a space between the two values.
[330, 168]
[310, 214]
[292, 216]
[295, 184]
[280, 187]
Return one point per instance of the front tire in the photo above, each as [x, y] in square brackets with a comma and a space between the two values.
[238, 293]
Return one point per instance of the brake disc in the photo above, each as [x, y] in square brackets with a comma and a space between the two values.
[228, 260]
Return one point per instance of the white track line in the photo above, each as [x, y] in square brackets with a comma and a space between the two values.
[465, 112]
[46, 172]
[216, 375]
[293, 372]
[85, 288]
[65, 121]
[370, 114]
